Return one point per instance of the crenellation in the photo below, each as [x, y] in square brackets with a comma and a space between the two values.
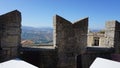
[68, 40]
[70, 48]
[10, 33]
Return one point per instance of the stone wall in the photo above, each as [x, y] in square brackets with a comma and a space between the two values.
[91, 39]
[93, 52]
[70, 40]
[40, 57]
[80, 29]
[70, 43]
[10, 34]
[117, 37]
[112, 35]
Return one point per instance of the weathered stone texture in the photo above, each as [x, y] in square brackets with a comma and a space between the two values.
[93, 52]
[70, 40]
[41, 57]
[80, 28]
[110, 33]
[117, 37]
[10, 34]
[92, 36]
[64, 42]
[70, 43]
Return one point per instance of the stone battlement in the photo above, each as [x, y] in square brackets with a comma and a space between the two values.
[70, 43]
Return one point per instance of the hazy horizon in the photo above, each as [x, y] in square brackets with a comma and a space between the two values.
[40, 13]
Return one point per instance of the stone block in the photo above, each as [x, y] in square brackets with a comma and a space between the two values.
[10, 33]
[70, 39]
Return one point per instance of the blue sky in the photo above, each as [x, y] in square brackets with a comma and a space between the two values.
[39, 13]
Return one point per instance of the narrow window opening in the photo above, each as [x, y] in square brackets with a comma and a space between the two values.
[96, 41]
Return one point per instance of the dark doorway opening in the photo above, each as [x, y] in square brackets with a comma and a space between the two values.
[96, 41]
[79, 61]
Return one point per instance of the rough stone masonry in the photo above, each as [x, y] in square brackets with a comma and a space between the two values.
[10, 34]
[70, 39]
[70, 43]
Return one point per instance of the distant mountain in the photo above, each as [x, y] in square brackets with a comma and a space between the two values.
[37, 28]
[37, 35]
[95, 30]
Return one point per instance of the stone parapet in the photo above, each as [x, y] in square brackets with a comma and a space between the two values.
[10, 33]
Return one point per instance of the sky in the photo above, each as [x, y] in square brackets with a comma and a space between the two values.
[39, 13]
